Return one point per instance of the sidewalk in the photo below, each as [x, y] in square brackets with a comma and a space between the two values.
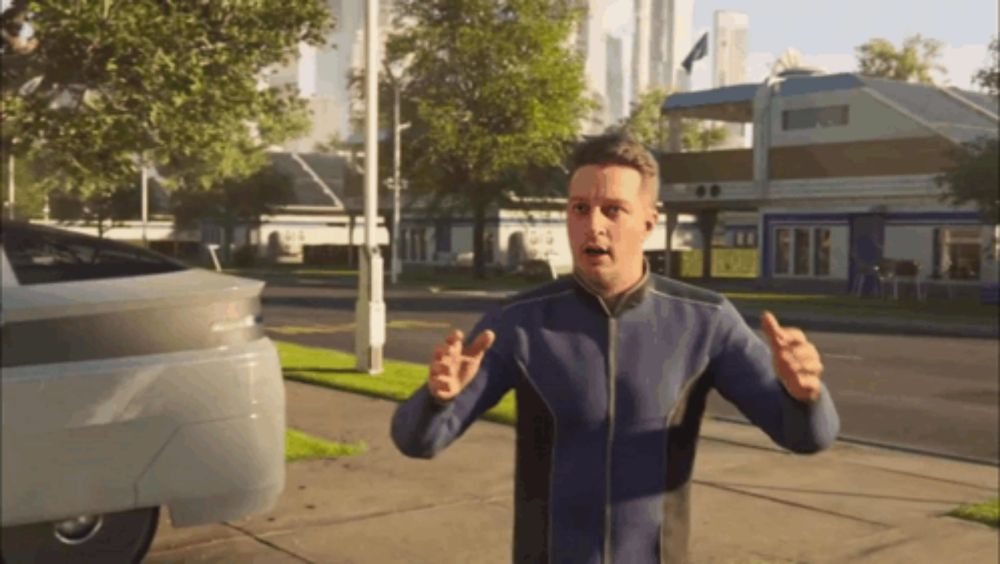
[751, 501]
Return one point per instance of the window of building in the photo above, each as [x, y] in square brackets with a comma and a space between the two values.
[821, 251]
[802, 251]
[782, 250]
[801, 245]
[809, 118]
[442, 237]
[961, 253]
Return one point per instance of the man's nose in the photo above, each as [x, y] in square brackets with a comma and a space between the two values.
[596, 222]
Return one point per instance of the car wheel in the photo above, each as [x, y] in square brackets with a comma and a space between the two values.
[118, 538]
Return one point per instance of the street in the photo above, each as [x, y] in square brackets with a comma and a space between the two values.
[936, 394]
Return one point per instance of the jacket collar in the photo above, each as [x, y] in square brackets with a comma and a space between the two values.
[626, 301]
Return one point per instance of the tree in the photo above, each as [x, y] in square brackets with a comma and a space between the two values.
[492, 89]
[99, 83]
[988, 77]
[234, 200]
[106, 208]
[974, 178]
[644, 124]
[913, 62]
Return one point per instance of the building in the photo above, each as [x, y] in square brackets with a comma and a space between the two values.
[729, 62]
[322, 74]
[662, 40]
[589, 39]
[841, 177]
[615, 80]
[518, 229]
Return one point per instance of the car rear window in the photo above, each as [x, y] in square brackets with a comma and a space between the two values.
[41, 255]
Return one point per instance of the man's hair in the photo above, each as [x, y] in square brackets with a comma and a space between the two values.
[619, 149]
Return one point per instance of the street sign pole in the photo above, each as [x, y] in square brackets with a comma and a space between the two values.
[369, 336]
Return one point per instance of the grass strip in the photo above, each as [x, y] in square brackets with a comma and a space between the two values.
[335, 369]
[987, 512]
[302, 446]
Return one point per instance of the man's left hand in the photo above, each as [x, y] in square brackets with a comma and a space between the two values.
[796, 360]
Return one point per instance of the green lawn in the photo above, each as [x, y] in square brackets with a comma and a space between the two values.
[987, 513]
[301, 446]
[334, 369]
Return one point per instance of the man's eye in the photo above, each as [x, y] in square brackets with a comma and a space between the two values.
[612, 211]
[580, 208]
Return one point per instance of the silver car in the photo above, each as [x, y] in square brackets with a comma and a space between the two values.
[130, 382]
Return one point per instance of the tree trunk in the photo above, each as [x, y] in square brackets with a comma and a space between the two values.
[478, 234]
[227, 239]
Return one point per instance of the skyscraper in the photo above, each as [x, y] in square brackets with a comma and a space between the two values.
[662, 40]
[322, 73]
[729, 48]
[615, 79]
[590, 43]
[729, 61]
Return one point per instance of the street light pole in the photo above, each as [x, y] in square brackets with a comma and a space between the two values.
[145, 202]
[396, 186]
[369, 336]
[10, 186]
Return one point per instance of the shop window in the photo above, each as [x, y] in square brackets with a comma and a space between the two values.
[961, 253]
[801, 245]
[782, 250]
[821, 251]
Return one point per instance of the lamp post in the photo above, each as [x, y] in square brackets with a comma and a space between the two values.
[369, 336]
[10, 186]
[397, 185]
[145, 202]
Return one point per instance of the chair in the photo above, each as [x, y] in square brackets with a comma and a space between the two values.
[908, 270]
[866, 272]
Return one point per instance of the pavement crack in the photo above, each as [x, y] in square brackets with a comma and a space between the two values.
[268, 543]
[724, 487]
[385, 513]
[925, 477]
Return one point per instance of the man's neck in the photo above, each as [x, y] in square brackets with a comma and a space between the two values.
[611, 297]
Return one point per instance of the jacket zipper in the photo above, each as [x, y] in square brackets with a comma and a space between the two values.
[612, 361]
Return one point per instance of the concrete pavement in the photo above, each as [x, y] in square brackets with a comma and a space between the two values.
[751, 501]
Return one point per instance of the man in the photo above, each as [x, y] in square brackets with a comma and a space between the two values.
[612, 369]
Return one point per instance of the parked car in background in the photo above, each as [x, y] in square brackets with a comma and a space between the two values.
[130, 383]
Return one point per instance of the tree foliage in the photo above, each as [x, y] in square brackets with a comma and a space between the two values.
[988, 77]
[492, 88]
[914, 61]
[102, 82]
[644, 123]
[974, 177]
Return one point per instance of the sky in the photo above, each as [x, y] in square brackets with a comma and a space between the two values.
[826, 32]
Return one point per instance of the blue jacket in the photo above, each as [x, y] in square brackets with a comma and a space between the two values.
[609, 405]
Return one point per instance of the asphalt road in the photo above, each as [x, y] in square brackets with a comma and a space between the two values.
[936, 394]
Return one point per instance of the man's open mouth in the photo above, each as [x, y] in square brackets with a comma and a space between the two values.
[596, 251]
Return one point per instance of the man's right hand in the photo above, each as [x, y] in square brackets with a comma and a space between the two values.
[452, 368]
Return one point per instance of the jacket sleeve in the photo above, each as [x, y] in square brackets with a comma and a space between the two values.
[422, 427]
[741, 365]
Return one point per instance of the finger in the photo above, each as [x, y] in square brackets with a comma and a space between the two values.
[805, 353]
[482, 343]
[793, 335]
[455, 336]
[440, 352]
[442, 368]
[454, 342]
[769, 323]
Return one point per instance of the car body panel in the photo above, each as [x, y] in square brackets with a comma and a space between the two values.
[140, 391]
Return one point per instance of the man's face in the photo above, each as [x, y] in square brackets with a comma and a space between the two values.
[608, 218]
